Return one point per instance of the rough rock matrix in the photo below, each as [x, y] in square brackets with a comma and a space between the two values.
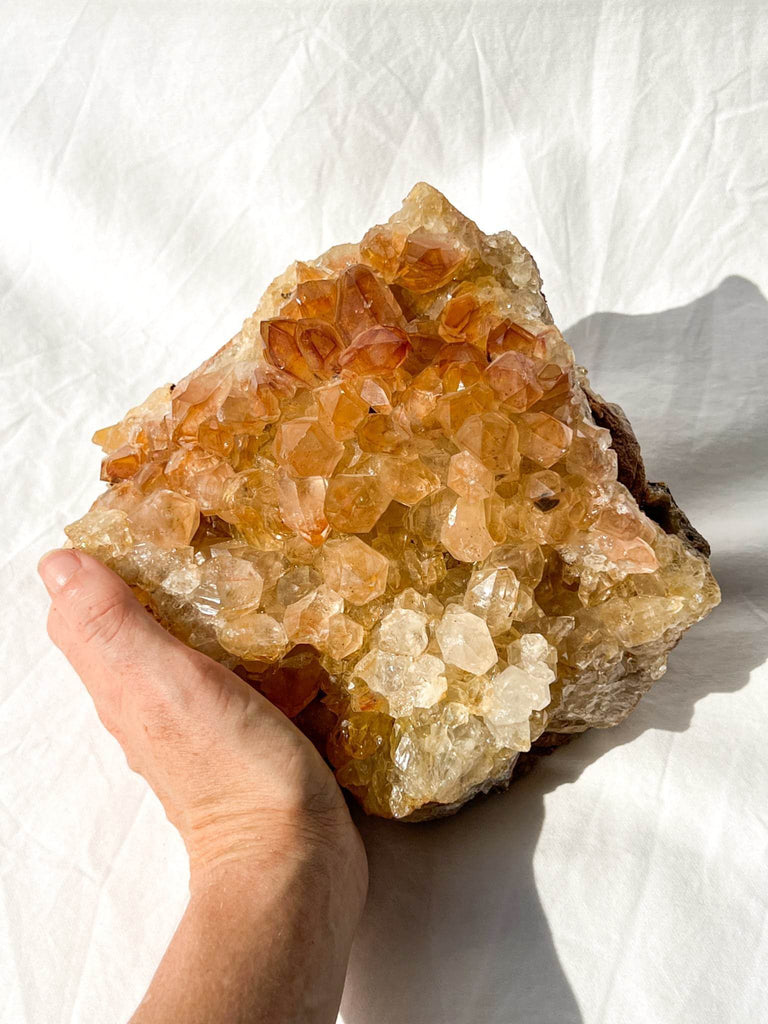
[393, 505]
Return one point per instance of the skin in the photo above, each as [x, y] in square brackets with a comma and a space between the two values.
[278, 873]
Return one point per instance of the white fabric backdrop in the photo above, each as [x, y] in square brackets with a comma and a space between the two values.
[159, 163]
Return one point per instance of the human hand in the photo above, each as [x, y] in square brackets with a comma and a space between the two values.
[256, 806]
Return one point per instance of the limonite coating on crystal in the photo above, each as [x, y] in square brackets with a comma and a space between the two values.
[393, 505]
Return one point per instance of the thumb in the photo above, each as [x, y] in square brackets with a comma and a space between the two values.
[95, 603]
[126, 660]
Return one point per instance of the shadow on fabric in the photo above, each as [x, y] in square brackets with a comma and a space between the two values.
[454, 931]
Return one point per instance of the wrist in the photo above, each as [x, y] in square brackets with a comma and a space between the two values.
[295, 851]
[266, 936]
[306, 893]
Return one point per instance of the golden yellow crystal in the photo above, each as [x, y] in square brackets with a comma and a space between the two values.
[392, 504]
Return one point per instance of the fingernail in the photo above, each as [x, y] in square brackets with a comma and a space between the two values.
[57, 568]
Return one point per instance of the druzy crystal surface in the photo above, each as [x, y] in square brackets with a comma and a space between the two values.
[393, 505]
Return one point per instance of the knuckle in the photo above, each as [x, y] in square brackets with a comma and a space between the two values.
[103, 619]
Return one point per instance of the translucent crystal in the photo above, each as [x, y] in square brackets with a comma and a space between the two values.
[302, 506]
[341, 409]
[513, 376]
[355, 570]
[104, 533]
[307, 620]
[509, 701]
[355, 502]
[345, 636]
[238, 583]
[493, 437]
[465, 641]
[403, 631]
[308, 348]
[427, 261]
[296, 583]
[469, 477]
[404, 681]
[166, 519]
[492, 594]
[394, 506]
[543, 438]
[464, 532]
[251, 634]
[376, 350]
[306, 448]
[439, 757]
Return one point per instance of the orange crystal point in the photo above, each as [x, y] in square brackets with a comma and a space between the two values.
[392, 504]
[428, 261]
[493, 438]
[315, 299]
[469, 476]
[308, 349]
[302, 507]
[305, 448]
[356, 501]
[355, 570]
[365, 301]
[515, 380]
[376, 350]
[341, 409]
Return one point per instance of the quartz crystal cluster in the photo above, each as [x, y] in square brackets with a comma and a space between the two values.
[393, 505]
